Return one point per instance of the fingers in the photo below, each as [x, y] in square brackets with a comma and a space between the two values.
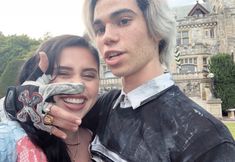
[64, 124]
[43, 62]
[62, 88]
[58, 133]
[41, 68]
[63, 119]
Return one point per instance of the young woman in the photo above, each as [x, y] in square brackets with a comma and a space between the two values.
[71, 59]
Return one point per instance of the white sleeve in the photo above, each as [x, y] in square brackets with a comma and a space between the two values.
[3, 115]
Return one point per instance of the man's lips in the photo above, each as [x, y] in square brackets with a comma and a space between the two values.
[111, 54]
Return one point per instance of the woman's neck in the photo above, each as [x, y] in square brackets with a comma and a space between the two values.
[78, 145]
[72, 137]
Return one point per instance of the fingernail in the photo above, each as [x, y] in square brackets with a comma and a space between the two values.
[75, 128]
[64, 136]
[78, 121]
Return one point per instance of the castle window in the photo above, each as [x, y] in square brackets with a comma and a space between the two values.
[186, 61]
[181, 61]
[178, 38]
[204, 60]
[188, 65]
[207, 33]
[212, 33]
[188, 68]
[195, 60]
[190, 60]
[185, 37]
[182, 38]
[104, 68]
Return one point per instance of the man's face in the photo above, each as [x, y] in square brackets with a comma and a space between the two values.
[122, 38]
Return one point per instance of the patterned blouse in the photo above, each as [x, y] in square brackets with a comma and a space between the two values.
[15, 145]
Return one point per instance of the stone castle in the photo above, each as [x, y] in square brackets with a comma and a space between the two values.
[203, 30]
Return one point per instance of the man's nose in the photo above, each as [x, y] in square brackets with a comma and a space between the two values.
[110, 36]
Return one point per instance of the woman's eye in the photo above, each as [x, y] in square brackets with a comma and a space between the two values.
[90, 75]
[62, 74]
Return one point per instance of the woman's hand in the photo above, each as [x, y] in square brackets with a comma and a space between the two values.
[29, 101]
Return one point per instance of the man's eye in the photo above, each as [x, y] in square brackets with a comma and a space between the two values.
[99, 30]
[124, 21]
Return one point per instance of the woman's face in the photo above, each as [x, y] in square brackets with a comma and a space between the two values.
[77, 65]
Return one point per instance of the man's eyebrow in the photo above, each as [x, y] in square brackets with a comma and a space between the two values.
[115, 14]
[121, 11]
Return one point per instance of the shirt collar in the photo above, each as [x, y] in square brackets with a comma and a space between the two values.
[135, 97]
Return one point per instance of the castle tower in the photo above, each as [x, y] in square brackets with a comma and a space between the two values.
[225, 12]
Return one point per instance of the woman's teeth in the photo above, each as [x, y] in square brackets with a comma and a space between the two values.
[74, 100]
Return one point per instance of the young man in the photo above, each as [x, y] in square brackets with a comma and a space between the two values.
[150, 119]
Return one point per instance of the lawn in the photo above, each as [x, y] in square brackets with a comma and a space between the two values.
[231, 127]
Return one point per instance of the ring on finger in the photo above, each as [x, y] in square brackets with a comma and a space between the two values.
[48, 119]
[48, 109]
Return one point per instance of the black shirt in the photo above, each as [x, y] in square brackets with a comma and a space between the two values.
[168, 128]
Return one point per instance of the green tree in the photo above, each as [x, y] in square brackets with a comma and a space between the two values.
[13, 47]
[9, 77]
[14, 50]
[223, 68]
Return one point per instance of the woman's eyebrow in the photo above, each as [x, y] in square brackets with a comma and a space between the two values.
[62, 68]
[91, 69]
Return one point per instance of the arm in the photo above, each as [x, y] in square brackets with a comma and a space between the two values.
[3, 115]
[10, 133]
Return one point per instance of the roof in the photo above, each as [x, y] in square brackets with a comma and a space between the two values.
[183, 11]
[198, 9]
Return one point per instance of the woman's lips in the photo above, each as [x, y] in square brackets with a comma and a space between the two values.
[74, 103]
[74, 100]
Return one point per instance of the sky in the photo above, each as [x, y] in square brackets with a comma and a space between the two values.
[35, 18]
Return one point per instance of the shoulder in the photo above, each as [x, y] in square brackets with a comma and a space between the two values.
[190, 126]
[109, 96]
[11, 130]
[10, 134]
[106, 100]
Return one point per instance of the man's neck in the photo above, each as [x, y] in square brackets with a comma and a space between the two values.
[131, 82]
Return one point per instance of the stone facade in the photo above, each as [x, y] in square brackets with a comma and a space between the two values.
[203, 30]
